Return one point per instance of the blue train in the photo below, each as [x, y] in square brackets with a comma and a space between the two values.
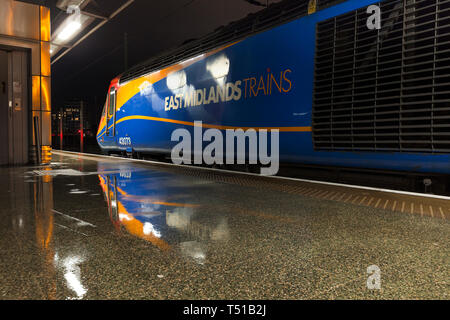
[340, 93]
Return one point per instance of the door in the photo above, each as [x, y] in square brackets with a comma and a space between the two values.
[111, 132]
[111, 119]
[14, 73]
[18, 74]
[4, 140]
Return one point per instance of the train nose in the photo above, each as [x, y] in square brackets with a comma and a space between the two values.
[100, 140]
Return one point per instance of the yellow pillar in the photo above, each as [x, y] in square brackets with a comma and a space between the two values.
[41, 89]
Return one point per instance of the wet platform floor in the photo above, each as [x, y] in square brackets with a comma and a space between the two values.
[101, 228]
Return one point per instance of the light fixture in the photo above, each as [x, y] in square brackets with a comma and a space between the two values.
[69, 30]
[78, 21]
[54, 49]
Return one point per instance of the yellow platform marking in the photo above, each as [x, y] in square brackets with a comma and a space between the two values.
[363, 199]
[316, 193]
[309, 192]
[337, 194]
[328, 196]
[442, 213]
[378, 202]
[356, 198]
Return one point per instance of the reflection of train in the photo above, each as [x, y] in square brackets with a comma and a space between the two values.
[341, 95]
[148, 206]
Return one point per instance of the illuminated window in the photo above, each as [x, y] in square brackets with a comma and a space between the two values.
[112, 102]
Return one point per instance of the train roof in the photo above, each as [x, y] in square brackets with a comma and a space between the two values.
[274, 15]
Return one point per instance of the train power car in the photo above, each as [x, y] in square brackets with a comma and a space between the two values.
[342, 94]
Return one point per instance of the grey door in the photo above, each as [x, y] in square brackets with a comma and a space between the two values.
[14, 107]
[4, 123]
[19, 112]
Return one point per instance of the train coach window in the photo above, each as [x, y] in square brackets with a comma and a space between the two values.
[112, 102]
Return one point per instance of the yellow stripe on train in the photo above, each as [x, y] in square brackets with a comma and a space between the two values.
[210, 126]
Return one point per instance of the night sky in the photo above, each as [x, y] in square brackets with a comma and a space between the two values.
[153, 26]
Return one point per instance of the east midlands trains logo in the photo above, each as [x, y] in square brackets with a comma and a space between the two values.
[251, 87]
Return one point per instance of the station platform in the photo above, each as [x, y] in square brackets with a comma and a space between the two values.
[93, 227]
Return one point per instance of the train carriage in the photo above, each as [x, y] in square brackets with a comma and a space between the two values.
[341, 94]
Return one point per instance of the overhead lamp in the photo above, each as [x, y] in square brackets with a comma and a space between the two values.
[76, 23]
[69, 30]
[54, 49]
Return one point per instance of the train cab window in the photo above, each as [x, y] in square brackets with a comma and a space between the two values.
[112, 102]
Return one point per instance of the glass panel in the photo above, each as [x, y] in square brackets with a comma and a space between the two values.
[19, 19]
[46, 129]
[45, 24]
[36, 93]
[35, 114]
[45, 59]
[35, 59]
[46, 94]
[112, 103]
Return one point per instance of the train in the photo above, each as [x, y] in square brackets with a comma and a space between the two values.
[341, 94]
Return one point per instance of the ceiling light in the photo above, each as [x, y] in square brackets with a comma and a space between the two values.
[71, 28]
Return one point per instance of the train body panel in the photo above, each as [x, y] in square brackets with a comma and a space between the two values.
[263, 81]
